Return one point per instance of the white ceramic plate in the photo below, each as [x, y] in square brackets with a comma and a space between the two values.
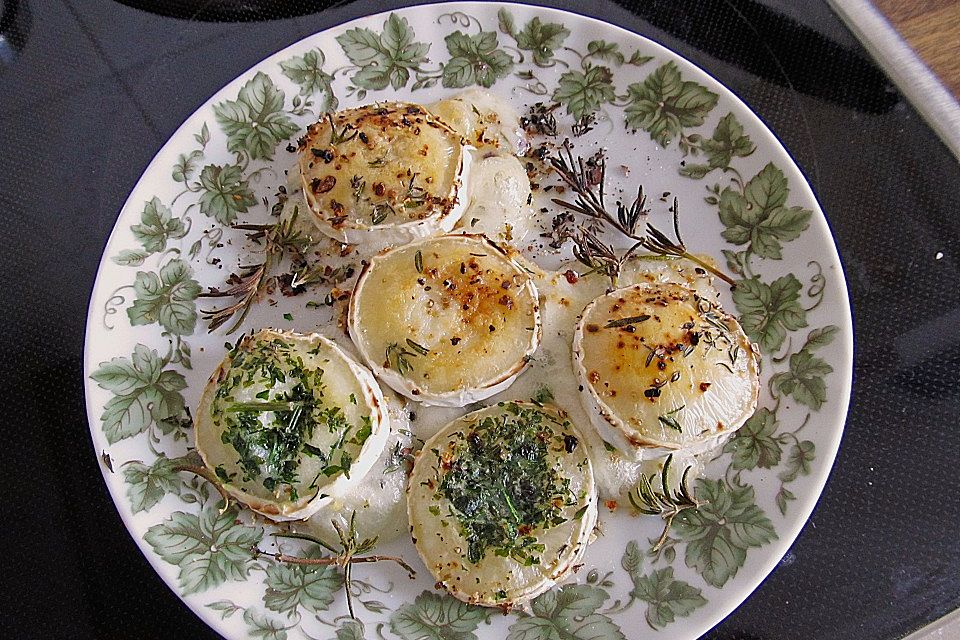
[743, 200]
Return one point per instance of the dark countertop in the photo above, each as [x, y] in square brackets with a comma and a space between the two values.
[90, 90]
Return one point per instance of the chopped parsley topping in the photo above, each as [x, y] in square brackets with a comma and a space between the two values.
[503, 485]
[274, 433]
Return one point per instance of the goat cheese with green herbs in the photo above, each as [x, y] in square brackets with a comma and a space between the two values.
[289, 421]
[502, 503]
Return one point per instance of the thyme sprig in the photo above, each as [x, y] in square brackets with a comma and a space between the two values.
[587, 179]
[350, 553]
[663, 503]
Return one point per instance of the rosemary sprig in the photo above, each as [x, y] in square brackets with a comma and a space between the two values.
[657, 242]
[584, 124]
[397, 356]
[629, 320]
[336, 137]
[669, 419]
[663, 503]
[349, 554]
[358, 184]
[419, 348]
[416, 195]
[587, 178]
[277, 238]
[380, 212]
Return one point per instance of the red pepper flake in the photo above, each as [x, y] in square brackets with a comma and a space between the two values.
[571, 276]
[324, 185]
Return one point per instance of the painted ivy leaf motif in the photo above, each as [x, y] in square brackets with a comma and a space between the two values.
[203, 137]
[603, 50]
[130, 257]
[638, 60]
[435, 617]
[210, 548]
[384, 59]
[582, 93]
[290, 586]
[799, 460]
[225, 607]
[225, 193]
[804, 380]
[186, 165]
[719, 532]
[350, 630]
[157, 225]
[474, 60]
[667, 598]
[632, 558]
[728, 140]
[505, 22]
[754, 445]
[569, 612]
[664, 104]
[768, 311]
[144, 393]
[255, 123]
[307, 72]
[541, 39]
[784, 495]
[263, 627]
[759, 215]
[148, 484]
[167, 298]
[821, 337]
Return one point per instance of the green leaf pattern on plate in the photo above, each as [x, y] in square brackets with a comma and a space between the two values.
[144, 393]
[210, 549]
[665, 104]
[290, 586]
[433, 616]
[255, 123]
[474, 60]
[148, 484]
[570, 612]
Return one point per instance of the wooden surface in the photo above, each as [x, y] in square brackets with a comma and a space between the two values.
[932, 28]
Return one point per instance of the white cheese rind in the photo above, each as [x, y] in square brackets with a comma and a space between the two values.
[342, 376]
[500, 580]
[470, 306]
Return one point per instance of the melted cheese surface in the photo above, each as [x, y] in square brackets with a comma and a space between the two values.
[379, 166]
[662, 366]
[448, 315]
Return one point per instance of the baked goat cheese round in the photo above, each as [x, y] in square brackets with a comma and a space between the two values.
[660, 366]
[289, 420]
[389, 172]
[502, 503]
[445, 321]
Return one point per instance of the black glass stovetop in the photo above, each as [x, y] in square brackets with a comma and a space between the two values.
[90, 90]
